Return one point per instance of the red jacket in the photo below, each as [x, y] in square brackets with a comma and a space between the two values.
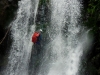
[35, 36]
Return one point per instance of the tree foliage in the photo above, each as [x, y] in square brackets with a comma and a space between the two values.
[93, 14]
[92, 20]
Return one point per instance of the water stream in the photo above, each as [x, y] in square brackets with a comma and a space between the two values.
[68, 39]
[21, 31]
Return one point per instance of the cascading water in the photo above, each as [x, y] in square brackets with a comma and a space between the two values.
[68, 39]
[22, 31]
[61, 56]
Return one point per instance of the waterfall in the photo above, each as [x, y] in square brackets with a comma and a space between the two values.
[68, 39]
[22, 29]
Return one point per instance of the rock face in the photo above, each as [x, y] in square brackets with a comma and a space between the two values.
[7, 8]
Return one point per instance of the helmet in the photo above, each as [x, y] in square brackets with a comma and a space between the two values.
[40, 30]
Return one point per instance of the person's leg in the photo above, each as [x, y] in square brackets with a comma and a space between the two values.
[38, 40]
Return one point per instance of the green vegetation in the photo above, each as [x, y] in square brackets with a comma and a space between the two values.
[92, 20]
[43, 2]
[42, 17]
[92, 15]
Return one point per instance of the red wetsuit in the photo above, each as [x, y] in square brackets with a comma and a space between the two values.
[35, 37]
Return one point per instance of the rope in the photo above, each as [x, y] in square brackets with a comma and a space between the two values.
[5, 36]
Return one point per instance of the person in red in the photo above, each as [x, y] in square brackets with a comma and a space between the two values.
[36, 37]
